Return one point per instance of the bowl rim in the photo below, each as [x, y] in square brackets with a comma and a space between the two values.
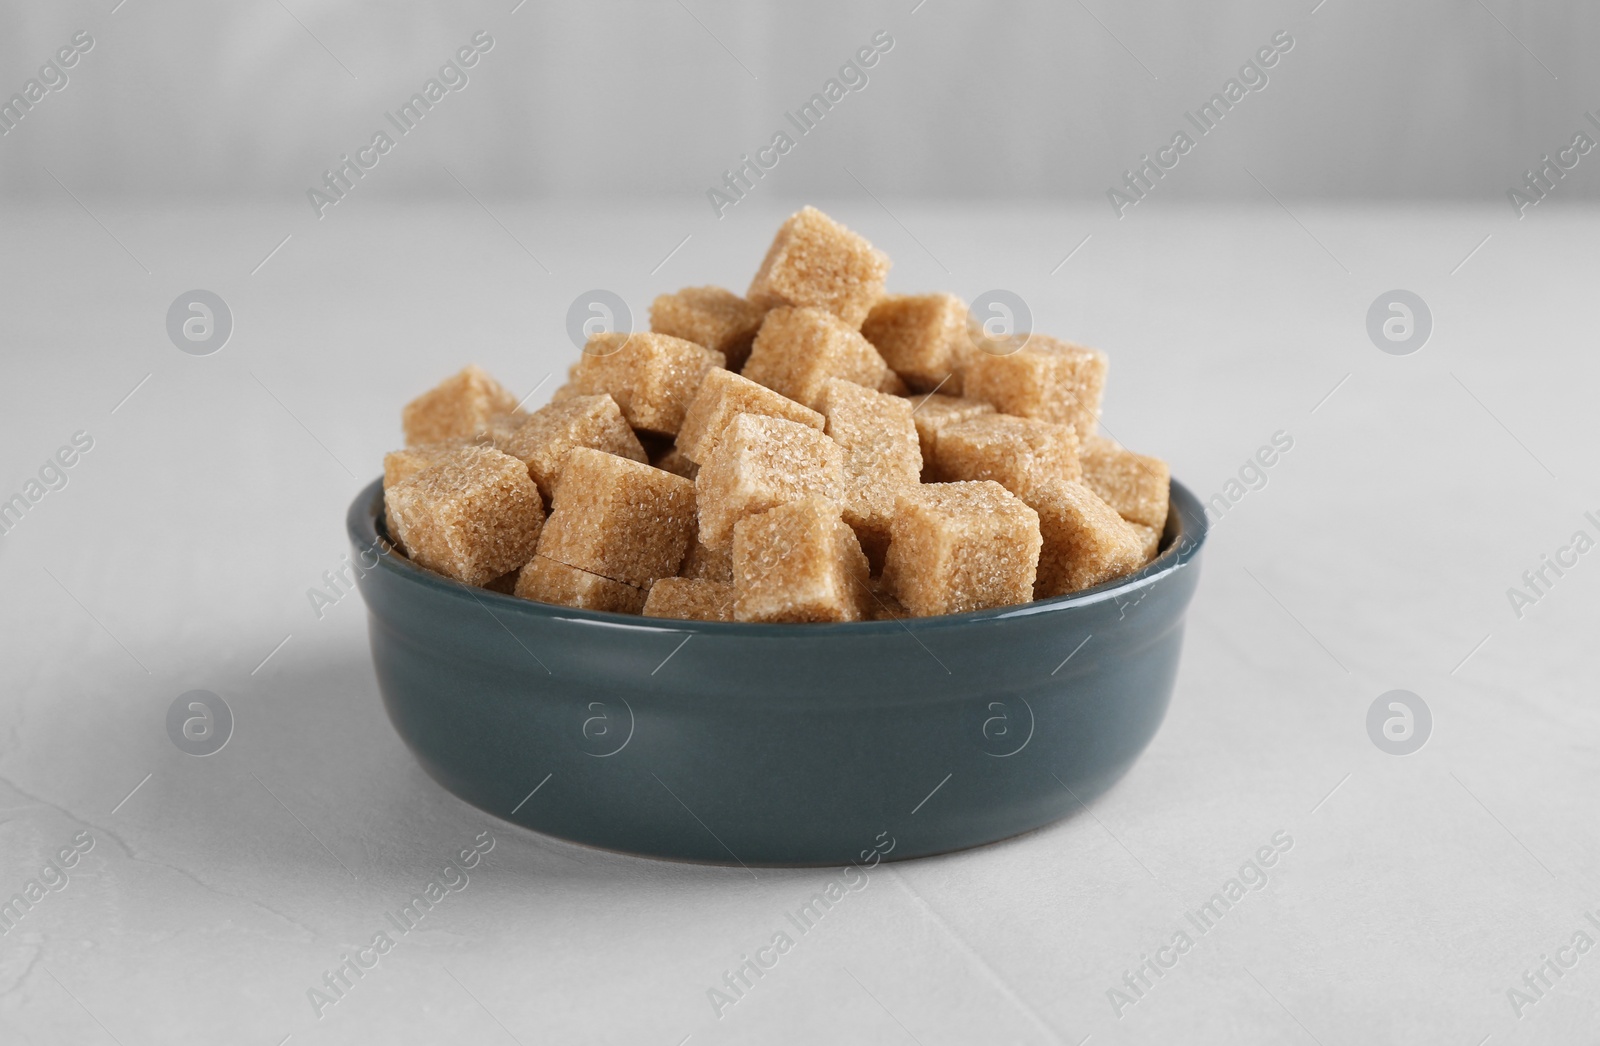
[1184, 535]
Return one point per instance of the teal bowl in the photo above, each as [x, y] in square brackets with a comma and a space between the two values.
[760, 744]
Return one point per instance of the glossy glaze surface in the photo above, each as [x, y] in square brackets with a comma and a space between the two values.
[777, 744]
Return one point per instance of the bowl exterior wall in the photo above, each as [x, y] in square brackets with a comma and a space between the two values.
[787, 744]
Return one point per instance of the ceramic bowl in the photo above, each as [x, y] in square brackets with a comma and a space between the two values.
[763, 744]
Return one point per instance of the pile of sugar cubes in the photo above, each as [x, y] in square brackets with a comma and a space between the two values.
[817, 450]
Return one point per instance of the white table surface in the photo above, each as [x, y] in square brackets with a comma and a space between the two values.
[1418, 889]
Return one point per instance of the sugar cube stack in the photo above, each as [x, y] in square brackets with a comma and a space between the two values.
[815, 450]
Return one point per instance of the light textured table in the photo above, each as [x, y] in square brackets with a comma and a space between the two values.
[1417, 890]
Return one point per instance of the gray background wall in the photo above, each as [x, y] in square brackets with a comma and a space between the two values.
[1447, 99]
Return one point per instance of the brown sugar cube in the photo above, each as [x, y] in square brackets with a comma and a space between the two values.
[921, 337]
[651, 376]
[544, 439]
[882, 455]
[759, 463]
[403, 464]
[876, 431]
[690, 599]
[1150, 538]
[676, 461]
[548, 581]
[711, 316]
[565, 392]
[816, 262]
[724, 394]
[1017, 453]
[1085, 542]
[798, 350]
[1048, 379]
[1136, 485]
[799, 562]
[499, 429]
[618, 518]
[457, 408]
[960, 547]
[472, 516]
[707, 564]
[933, 411]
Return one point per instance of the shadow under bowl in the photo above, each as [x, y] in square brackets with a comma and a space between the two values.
[776, 744]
